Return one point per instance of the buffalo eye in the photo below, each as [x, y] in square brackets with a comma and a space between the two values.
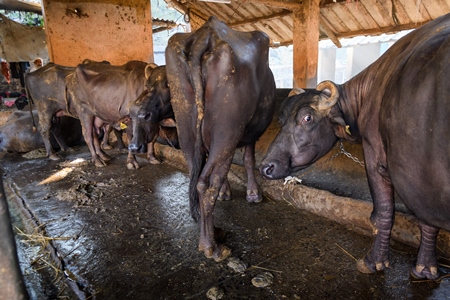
[307, 119]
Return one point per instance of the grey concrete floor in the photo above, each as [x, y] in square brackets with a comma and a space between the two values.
[114, 233]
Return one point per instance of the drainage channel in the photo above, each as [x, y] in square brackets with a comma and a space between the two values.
[78, 287]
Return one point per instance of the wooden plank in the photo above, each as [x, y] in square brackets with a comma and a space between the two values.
[278, 3]
[266, 18]
[281, 29]
[360, 13]
[436, 8]
[378, 12]
[287, 24]
[324, 27]
[378, 31]
[399, 14]
[345, 14]
[211, 10]
[416, 13]
[338, 25]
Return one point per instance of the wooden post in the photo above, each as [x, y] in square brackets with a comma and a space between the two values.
[306, 44]
[113, 30]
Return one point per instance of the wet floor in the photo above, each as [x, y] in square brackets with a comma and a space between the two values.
[127, 234]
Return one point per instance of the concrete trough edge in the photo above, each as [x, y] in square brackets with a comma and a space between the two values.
[353, 213]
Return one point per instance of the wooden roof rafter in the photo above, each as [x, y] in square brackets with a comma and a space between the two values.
[338, 18]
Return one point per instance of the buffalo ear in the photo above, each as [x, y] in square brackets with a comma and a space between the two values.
[149, 69]
[169, 122]
[342, 130]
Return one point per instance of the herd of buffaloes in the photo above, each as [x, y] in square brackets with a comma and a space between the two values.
[217, 92]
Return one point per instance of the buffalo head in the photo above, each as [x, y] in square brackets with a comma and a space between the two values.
[311, 123]
[151, 109]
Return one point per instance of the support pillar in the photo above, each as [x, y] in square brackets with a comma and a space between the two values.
[306, 44]
[113, 30]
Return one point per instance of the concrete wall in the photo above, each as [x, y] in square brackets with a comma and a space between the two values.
[113, 30]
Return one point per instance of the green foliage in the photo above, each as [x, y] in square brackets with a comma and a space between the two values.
[25, 18]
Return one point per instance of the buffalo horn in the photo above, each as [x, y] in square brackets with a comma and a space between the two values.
[327, 102]
[296, 91]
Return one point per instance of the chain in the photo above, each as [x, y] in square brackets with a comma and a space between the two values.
[292, 180]
[349, 155]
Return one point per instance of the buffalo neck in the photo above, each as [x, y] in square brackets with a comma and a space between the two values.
[349, 107]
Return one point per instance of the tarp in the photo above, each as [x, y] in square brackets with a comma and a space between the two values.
[20, 42]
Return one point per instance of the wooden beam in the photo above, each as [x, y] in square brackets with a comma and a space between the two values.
[327, 30]
[259, 19]
[306, 44]
[278, 3]
[186, 9]
[162, 28]
[378, 31]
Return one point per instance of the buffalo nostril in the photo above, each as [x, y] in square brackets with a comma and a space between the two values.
[132, 147]
[144, 117]
[267, 170]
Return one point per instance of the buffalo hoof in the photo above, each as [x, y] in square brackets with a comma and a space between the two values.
[99, 164]
[218, 253]
[54, 156]
[224, 196]
[363, 268]
[367, 267]
[104, 157]
[154, 161]
[132, 165]
[422, 272]
[253, 196]
[107, 147]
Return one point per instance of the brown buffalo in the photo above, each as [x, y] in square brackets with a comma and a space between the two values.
[100, 94]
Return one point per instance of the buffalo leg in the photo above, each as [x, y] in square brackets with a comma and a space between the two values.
[426, 265]
[382, 217]
[11, 281]
[210, 181]
[97, 145]
[151, 152]
[253, 194]
[132, 163]
[120, 143]
[60, 140]
[105, 141]
[45, 124]
[87, 124]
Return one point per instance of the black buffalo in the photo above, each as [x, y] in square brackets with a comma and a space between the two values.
[47, 89]
[399, 109]
[17, 134]
[152, 116]
[222, 93]
[100, 94]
